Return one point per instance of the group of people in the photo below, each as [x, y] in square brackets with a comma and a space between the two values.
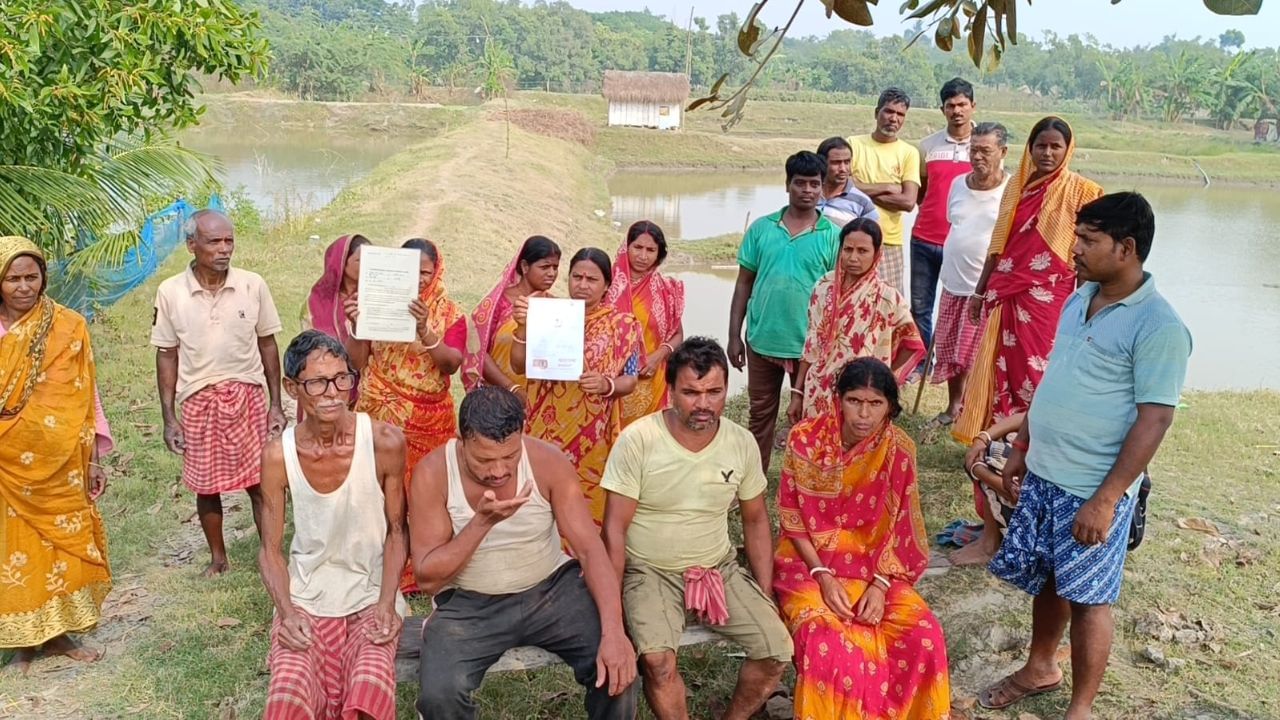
[591, 518]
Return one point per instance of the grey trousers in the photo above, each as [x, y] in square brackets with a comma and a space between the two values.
[469, 631]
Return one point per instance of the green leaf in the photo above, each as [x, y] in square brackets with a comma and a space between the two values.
[751, 30]
[1234, 7]
[978, 36]
[854, 11]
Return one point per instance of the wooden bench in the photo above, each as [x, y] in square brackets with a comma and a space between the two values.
[521, 658]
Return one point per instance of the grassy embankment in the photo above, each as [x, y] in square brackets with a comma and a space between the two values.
[183, 647]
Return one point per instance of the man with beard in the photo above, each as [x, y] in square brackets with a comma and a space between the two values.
[887, 169]
[841, 202]
[487, 510]
[677, 473]
[782, 257]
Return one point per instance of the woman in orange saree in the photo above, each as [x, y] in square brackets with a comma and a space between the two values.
[53, 551]
[407, 384]
[584, 418]
[853, 546]
[657, 302]
[533, 270]
[853, 314]
[1028, 276]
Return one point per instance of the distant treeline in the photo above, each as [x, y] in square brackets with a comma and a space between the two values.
[343, 49]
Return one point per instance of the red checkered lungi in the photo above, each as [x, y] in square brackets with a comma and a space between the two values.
[955, 339]
[341, 675]
[224, 427]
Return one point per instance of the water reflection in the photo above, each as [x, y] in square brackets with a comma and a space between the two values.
[1214, 258]
[293, 173]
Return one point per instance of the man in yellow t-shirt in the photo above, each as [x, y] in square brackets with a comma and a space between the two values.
[887, 169]
[671, 480]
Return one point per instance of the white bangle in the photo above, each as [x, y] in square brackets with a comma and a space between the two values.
[612, 387]
[434, 345]
[881, 581]
[814, 572]
[797, 391]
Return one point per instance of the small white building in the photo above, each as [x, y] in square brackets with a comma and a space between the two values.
[646, 99]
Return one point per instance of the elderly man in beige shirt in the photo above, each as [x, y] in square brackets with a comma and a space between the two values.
[214, 331]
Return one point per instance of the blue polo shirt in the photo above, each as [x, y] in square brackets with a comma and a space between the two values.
[787, 268]
[1131, 352]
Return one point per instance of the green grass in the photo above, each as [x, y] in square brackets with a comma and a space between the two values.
[182, 647]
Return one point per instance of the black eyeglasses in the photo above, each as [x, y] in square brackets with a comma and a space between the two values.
[318, 386]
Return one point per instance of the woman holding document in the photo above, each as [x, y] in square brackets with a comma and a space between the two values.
[584, 418]
[406, 384]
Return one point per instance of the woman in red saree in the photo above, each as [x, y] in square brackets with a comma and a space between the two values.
[1028, 275]
[584, 418]
[533, 270]
[853, 314]
[325, 306]
[853, 546]
[657, 302]
[407, 384]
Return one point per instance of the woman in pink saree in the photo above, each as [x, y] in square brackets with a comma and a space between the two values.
[323, 310]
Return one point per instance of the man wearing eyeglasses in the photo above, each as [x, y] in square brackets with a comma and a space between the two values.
[338, 608]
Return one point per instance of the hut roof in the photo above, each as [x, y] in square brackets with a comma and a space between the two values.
[628, 86]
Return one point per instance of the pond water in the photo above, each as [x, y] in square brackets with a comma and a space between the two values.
[1215, 258]
[294, 172]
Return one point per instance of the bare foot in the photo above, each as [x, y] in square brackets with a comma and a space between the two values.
[21, 660]
[216, 568]
[63, 645]
[975, 553]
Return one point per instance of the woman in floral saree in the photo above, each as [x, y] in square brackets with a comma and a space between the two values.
[407, 384]
[657, 302]
[1026, 280]
[853, 546]
[584, 418]
[53, 563]
[533, 270]
[852, 314]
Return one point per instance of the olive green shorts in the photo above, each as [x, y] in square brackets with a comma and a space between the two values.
[653, 601]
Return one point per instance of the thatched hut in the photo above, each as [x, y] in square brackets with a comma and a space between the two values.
[646, 99]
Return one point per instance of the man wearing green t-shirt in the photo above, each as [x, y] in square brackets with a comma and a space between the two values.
[671, 480]
[782, 257]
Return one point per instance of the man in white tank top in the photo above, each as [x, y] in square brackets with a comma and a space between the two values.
[676, 474]
[488, 510]
[338, 609]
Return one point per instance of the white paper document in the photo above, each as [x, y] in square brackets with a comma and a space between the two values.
[388, 283]
[555, 329]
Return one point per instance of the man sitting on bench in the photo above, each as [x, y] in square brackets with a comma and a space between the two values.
[486, 514]
[672, 479]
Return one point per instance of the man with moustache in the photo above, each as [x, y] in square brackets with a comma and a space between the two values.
[677, 474]
[1098, 416]
[338, 609]
[487, 512]
[887, 169]
[841, 202]
[781, 259]
[945, 155]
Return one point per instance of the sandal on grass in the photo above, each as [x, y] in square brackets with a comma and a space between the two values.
[939, 421]
[1011, 691]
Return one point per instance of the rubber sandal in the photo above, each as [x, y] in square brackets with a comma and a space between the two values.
[1014, 690]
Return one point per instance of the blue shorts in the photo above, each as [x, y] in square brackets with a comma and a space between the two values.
[1040, 546]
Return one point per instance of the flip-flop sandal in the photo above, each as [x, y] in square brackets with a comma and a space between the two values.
[1014, 692]
[939, 421]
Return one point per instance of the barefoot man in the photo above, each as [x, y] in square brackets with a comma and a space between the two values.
[487, 513]
[214, 331]
[338, 604]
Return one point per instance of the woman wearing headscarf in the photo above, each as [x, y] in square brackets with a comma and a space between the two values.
[1027, 277]
[584, 418]
[406, 384]
[853, 313]
[533, 270]
[325, 306]
[657, 303]
[53, 552]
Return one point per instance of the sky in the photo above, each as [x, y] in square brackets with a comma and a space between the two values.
[1130, 23]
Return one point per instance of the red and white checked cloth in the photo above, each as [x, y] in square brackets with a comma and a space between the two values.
[224, 427]
[341, 675]
[704, 595]
[955, 343]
